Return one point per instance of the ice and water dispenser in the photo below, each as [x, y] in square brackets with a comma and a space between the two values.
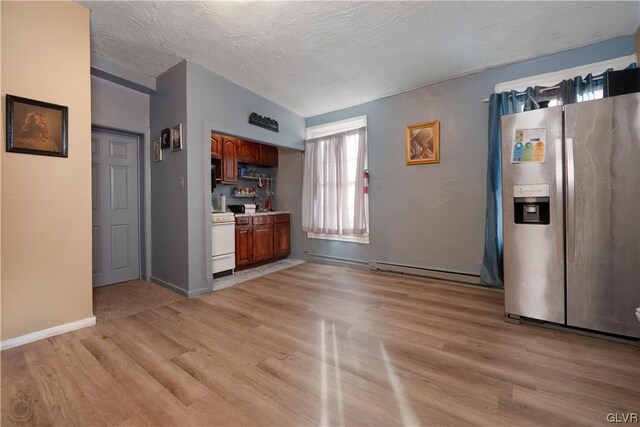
[531, 204]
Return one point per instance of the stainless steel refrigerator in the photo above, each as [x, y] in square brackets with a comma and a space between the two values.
[571, 214]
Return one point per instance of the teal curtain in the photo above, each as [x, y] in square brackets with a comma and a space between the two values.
[500, 104]
[570, 91]
[587, 88]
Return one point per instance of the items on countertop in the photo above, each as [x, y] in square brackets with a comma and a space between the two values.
[248, 208]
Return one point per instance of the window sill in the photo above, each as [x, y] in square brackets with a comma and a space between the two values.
[362, 240]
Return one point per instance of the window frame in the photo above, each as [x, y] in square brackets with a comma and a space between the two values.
[325, 129]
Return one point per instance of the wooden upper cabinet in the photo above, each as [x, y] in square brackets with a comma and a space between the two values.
[216, 145]
[248, 152]
[230, 151]
[268, 155]
[229, 161]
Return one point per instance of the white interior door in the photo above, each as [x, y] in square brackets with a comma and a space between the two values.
[114, 180]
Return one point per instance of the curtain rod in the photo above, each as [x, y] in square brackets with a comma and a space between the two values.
[545, 89]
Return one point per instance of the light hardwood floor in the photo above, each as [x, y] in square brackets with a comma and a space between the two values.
[318, 344]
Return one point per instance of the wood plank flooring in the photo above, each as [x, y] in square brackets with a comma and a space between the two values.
[321, 345]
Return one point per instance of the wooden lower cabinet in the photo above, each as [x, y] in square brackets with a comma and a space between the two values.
[261, 239]
[262, 243]
[244, 245]
[281, 239]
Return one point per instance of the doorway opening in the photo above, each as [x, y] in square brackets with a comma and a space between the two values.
[118, 188]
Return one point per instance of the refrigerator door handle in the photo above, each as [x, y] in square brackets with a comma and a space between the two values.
[571, 214]
[559, 213]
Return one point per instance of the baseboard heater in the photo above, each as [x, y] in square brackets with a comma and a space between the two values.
[412, 270]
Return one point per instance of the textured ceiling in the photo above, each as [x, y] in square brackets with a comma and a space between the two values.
[314, 57]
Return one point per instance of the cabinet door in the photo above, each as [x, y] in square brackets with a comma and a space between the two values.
[262, 242]
[281, 239]
[268, 155]
[216, 145]
[243, 246]
[229, 161]
[248, 152]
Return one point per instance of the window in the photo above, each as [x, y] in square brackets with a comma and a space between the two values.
[335, 205]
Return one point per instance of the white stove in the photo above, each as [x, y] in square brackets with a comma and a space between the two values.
[222, 217]
[223, 242]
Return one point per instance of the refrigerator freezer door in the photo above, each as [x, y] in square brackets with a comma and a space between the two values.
[603, 259]
[533, 252]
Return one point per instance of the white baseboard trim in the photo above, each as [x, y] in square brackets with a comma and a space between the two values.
[46, 333]
[412, 270]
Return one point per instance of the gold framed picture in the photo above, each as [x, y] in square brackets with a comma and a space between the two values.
[423, 143]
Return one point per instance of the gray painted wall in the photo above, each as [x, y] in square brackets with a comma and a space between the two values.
[215, 103]
[118, 103]
[432, 216]
[289, 195]
[169, 218]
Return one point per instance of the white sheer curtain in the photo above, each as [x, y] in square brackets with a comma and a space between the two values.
[333, 197]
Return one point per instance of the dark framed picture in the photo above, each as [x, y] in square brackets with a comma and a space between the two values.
[165, 138]
[157, 150]
[423, 143]
[176, 137]
[37, 127]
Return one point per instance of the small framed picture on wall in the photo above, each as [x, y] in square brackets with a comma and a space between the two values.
[156, 145]
[165, 138]
[176, 137]
[423, 143]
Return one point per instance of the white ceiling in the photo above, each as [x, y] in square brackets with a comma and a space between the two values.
[315, 57]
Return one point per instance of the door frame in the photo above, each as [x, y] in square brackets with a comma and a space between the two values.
[142, 135]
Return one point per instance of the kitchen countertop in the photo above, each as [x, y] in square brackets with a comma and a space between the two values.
[263, 213]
